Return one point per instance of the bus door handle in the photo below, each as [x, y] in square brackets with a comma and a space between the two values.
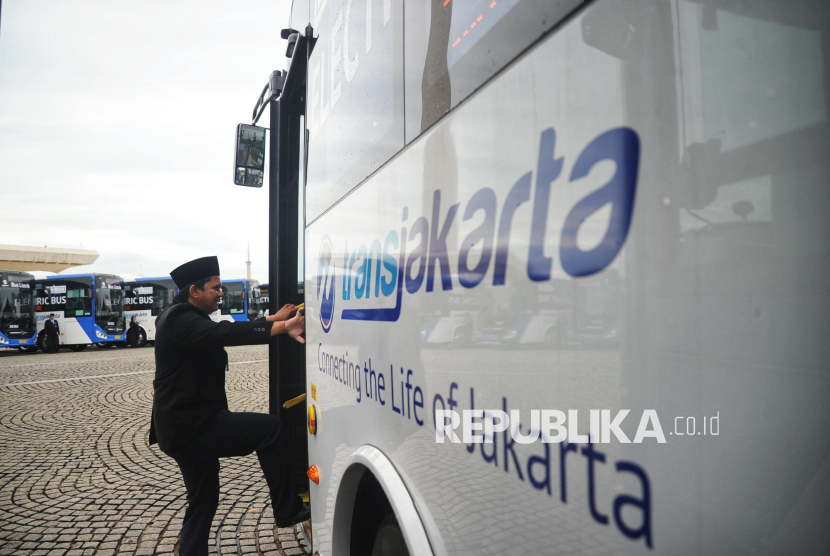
[294, 401]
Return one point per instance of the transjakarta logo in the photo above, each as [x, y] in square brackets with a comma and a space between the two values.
[413, 268]
[326, 281]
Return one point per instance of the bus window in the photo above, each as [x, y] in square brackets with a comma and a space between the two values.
[78, 300]
[162, 297]
[359, 96]
[453, 48]
[233, 303]
[109, 304]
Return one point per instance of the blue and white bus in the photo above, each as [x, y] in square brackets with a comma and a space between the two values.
[616, 212]
[238, 302]
[89, 309]
[17, 311]
[145, 299]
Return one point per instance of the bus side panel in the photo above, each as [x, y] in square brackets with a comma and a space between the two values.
[72, 330]
[672, 238]
[145, 320]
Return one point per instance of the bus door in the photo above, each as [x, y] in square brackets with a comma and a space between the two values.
[286, 181]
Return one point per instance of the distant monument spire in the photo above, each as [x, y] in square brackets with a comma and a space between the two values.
[249, 260]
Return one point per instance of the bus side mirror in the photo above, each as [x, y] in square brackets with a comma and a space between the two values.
[249, 161]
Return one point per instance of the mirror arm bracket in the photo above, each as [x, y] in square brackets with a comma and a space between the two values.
[272, 89]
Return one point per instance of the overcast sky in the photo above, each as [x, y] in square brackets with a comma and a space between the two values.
[117, 124]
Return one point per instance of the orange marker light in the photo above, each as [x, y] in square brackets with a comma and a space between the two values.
[314, 474]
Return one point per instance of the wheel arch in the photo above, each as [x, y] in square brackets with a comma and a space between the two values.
[369, 458]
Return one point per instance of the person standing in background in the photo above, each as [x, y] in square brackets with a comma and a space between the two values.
[132, 333]
[53, 330]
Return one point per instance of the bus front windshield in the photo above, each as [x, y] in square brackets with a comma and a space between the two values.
[16, 307]
[233, 302]
[109, 308]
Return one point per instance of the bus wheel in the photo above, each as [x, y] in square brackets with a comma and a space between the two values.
[142, 338]
[389, 539]
[78, 348]
[43, 343]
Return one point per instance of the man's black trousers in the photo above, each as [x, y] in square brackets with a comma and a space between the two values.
[54, 342]
[232, 435]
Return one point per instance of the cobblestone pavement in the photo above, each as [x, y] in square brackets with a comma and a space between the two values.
[77, 476]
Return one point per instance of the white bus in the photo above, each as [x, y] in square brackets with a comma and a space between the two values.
[89, 309]
[145, 299]
[647, 179]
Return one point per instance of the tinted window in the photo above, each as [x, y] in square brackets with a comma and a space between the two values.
[233, 303]
[78, 300]
[16, 302]
[72, 297]
[453, 47]
[354, 109]
[162, 298]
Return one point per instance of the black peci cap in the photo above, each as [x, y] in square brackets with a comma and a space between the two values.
[195, 270]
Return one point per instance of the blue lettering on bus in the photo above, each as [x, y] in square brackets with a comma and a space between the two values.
[369, 265]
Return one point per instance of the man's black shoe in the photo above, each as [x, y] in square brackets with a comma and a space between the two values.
[303, 515]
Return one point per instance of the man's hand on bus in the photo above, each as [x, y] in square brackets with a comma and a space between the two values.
[294, 327]
[284, 313]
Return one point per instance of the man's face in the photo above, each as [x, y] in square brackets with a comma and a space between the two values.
[207, 299]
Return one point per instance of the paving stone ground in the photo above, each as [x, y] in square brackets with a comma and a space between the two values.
[77, 476]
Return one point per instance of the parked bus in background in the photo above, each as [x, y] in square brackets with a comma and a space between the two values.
[145, 299]
[236, 304]
[261, 299]
[617, 211]
[89, 309]
[17, 311]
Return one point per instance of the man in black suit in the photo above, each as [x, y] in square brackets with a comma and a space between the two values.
[191, 421]
[53, 330]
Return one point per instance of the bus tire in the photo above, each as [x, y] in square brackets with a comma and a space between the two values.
[389, 539]
[142, 338]
[42, 342]
[78, 348]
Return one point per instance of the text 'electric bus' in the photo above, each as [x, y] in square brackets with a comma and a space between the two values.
[566, 274]
[145, 299]
[17, 311]
[89, 309]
